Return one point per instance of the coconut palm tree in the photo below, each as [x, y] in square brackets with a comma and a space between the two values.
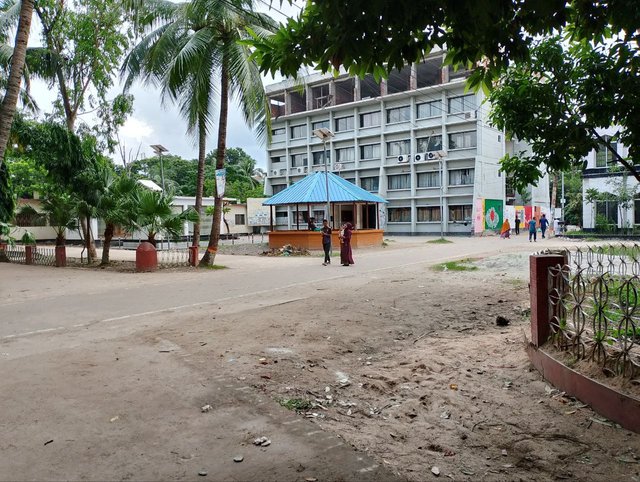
[10, 100]
[193, 53]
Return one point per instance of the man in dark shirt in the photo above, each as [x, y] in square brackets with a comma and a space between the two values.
[326, 241]
[544, 223]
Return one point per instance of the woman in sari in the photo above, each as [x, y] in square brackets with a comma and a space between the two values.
[346, 257]
[505, 231]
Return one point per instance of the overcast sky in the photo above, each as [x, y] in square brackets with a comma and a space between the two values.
[152, 123]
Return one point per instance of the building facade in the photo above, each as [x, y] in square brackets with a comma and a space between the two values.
[619, 206]
[417, 139]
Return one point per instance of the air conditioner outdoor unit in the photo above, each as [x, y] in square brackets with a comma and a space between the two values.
[299, 170]
[306, 168]
[274, 172]
[432, 155]
[420, 157]
[403, 159]
[470, 115]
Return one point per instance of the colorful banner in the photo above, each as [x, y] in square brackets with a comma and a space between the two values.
[221, 180]
[510, 215]
[493, 216]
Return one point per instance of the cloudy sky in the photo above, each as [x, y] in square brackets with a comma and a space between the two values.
[153, 123]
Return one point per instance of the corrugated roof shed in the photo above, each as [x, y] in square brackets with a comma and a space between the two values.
[312, 189]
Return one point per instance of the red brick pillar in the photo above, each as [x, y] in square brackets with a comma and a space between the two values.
[61, 256]
[539, 265]
[193, 255]
[146, 257]
[29, 251]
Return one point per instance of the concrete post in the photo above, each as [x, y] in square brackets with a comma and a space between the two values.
[29, 251]
[61, 256]
[539, 265]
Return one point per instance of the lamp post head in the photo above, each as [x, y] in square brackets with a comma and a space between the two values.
[323, 133]
[159, 149]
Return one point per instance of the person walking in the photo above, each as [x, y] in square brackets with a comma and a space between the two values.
[505, 232]
[517, 224]
[532, 229]
[544, 223]
[346, 256]
[326, 241]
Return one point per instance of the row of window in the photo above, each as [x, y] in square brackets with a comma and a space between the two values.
[425, 214]
[457, 140]
[456, 105]
[457, 177]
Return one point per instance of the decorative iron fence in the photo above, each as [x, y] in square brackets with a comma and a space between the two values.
[43, 256]
[594, 302]
[173, 258]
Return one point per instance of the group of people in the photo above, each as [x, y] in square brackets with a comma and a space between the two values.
[346, 231]
[505, 231]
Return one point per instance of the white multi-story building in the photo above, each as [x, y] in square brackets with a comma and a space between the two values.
[606, 176]
[399, 138]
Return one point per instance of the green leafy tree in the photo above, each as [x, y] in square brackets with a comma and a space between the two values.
[559, 98]
[191, 48]
[27, 175]
[7, 198]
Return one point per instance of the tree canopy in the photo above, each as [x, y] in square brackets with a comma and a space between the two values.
[376, 36]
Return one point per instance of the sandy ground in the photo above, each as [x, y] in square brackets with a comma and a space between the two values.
[406, 365]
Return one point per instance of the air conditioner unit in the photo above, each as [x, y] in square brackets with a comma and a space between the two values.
[420, 157]
[432, 155]
[283, 172]
[306, 169]
[299, 170]
[403, 158]
[274, 172]
[470, 115]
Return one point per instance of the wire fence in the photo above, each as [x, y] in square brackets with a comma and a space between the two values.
[42, 256]
[16, 254]
[594, 302]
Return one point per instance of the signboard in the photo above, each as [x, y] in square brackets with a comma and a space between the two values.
[221, 180]
[493, 216]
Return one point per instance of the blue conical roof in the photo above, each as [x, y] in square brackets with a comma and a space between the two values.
[313, 190]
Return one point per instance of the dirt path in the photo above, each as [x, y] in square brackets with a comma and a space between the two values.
[405, 364]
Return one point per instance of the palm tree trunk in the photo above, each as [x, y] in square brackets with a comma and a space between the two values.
[91, 253]
[8, 108]
[108, 236]
[202, 152]
[212, 249]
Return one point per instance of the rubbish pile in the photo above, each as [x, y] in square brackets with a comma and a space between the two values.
[286, 250]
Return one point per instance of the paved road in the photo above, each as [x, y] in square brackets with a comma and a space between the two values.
[35, 299]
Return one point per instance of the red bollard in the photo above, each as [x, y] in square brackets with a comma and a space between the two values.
[193, 255]
[61, 256]
[29, 251]
[146, 257]
[539, 291]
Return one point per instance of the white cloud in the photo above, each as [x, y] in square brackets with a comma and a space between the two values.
[136, 129]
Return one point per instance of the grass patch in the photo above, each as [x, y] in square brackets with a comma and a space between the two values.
[297, 404]
[214, 266]
[439, 241]
[458, 265]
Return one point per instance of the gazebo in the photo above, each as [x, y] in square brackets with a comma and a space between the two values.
[348, 203]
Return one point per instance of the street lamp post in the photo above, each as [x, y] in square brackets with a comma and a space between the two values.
[159, 150]
[324, 134]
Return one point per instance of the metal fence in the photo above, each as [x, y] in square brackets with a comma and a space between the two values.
[43, 256]
[594, 302]
[173, 258]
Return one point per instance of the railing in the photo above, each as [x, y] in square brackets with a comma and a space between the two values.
[39, 255]
[594, 302]
[172, 258]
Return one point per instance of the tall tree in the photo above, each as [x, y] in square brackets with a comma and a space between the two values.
[193, 48]
[10, 100]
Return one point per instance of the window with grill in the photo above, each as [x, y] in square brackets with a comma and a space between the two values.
[298, 132]
[240, 219]
[370, 151]
[460, 213]
[370, 119]
[320, 125]
[461, 177]
[604, 157]
[429, 109]
[398, 148]
[398, 114]
[344, 124]
[428, 214]
[431, 143]
[462, 140]
[429, 179]
[399, 215]
[463, 103]
[318, 157]
[399, 181]
[298, 160]
[607, 210]
[276, 188]
[370, 183]
[345, 154]
[279, 131]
